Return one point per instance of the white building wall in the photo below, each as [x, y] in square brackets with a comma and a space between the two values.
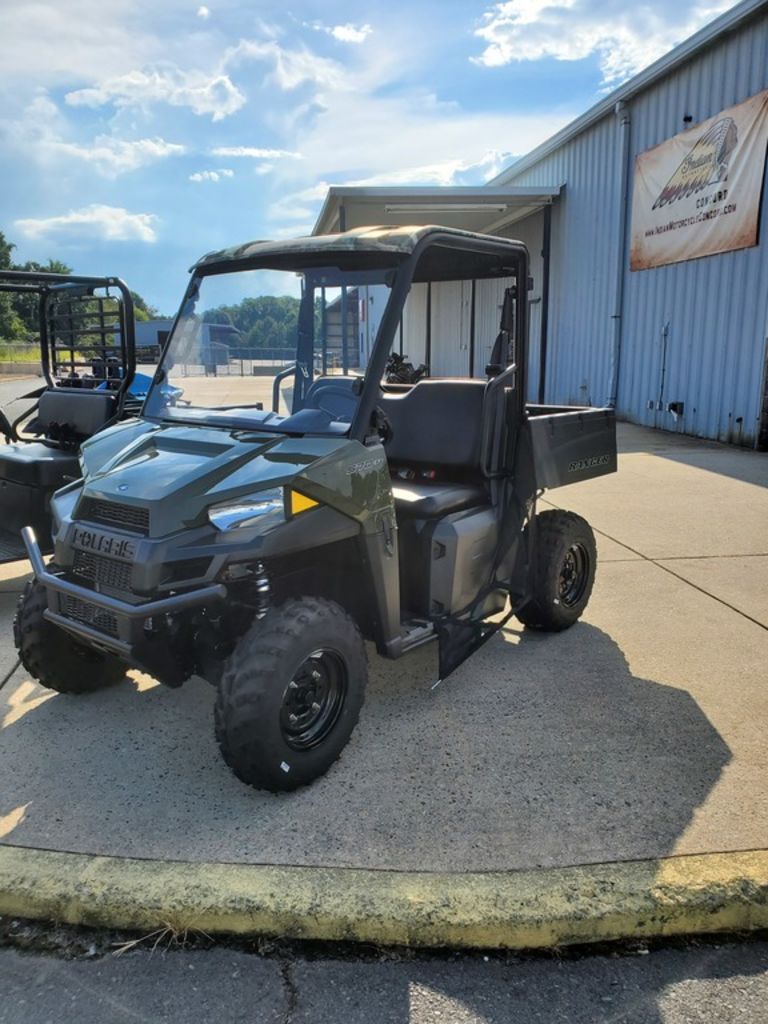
[451, 330]
[415, 324]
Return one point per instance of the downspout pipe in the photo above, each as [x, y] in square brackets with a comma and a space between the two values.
[624, 122]
[544, 339]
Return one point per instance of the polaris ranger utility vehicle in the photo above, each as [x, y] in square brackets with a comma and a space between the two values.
[258, 547]
[86, 345]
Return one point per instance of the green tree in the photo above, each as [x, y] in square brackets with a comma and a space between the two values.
[220, 315]
[10, 325]
[6, 248]
[19, 314]
[264, 321]
[26, 307]
[142, 309]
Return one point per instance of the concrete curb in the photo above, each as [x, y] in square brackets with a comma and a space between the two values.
[511, 910]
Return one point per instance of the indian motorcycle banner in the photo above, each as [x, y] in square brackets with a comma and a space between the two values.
[699, 192]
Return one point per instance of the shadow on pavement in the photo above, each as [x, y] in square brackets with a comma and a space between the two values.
[745, 466]
[742, 464]
[541, 750]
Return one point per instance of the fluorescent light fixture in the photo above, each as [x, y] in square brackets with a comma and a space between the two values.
[445, 207]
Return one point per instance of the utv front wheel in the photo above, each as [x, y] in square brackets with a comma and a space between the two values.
[291, 695]
[53, 657]
[563, 565]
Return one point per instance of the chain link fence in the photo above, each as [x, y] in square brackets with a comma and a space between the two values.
[220, 360]
[223, 361]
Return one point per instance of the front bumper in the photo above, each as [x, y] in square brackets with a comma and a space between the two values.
[107, 622]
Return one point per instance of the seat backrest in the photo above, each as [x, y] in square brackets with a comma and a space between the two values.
[438, 423]
[74, 413]
[338, 396]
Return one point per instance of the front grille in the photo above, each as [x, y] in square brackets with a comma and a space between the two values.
[112, 513]
[88, 614]
[102, 572]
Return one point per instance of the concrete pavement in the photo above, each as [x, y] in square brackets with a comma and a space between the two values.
[636, 735]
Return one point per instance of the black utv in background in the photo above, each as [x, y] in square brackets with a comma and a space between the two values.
[87, 355]
[258, 547]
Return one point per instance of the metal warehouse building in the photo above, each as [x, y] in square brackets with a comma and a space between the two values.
[646, 223]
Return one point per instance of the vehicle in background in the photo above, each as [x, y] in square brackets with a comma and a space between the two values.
[87, 354]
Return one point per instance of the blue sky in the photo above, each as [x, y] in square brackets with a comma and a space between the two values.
[135, 136]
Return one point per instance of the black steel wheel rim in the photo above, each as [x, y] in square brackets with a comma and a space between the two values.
[574, 573]
[313, 699]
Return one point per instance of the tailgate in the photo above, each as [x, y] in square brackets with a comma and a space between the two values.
[570, 444]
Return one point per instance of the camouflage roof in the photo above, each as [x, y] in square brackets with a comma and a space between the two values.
[400, 241]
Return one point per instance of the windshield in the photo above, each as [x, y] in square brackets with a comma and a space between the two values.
[271, 349]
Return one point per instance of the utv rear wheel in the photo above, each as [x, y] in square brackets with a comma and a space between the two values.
[53, 657]
[291, 694]
[563, 567]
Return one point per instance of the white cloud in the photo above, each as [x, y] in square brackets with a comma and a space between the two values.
[112, 156]
[203, 12]
[410, 140]
[48, 42]
[291, 68]
[351, 33]
[313, 193]
[452, 172]
[97, 221]
[347, 33]
[447, 173]
[359, 122]
[222, 172]
[204, 93]
[254, 152]
[624, 37]
[41, 131]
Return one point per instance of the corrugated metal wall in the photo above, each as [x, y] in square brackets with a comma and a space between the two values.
[716, 308]
[583, 249]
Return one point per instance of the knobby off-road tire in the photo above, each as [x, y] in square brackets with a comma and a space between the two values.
[55, 658]
[563, 566]
[291, 694]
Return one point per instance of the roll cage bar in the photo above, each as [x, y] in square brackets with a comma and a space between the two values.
[78, 331]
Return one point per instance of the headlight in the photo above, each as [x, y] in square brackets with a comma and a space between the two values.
[268, 509]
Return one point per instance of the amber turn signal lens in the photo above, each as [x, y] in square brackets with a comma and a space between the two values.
[301, 503]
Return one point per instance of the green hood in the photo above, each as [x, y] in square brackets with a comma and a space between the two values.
[178, 472]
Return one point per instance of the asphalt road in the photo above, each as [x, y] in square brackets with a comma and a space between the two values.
[11, 389]
[706, 984]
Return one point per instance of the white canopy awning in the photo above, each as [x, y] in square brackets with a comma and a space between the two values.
[477, 208]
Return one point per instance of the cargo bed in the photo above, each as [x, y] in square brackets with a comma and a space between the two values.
[571, 443]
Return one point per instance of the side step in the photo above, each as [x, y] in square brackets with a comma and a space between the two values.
[416, 632]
